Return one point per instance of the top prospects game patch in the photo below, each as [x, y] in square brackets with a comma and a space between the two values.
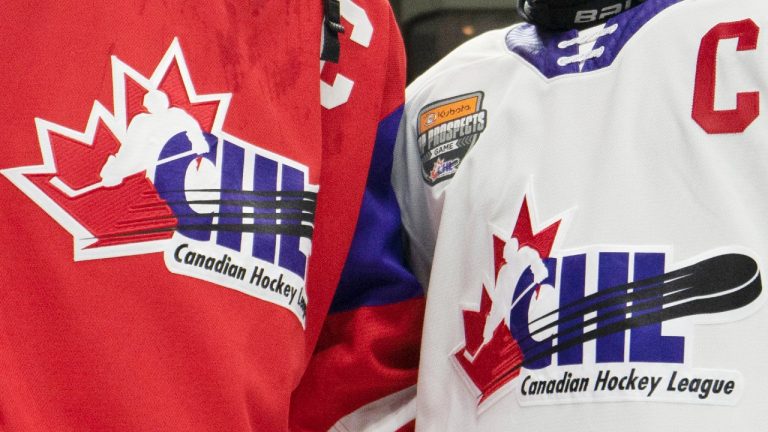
[447, 130]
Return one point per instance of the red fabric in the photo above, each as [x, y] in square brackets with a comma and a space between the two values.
[368, 353]
[362, 356]
[344, 156]
[410, 427]
[124, 344]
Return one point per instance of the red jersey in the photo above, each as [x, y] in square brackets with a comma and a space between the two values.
[181, 185]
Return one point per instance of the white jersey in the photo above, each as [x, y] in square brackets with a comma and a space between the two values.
[628, 166]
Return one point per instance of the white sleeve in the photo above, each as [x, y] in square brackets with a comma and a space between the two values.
[442, 120]
[420, 203]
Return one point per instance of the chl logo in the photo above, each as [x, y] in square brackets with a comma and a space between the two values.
[542, 311]
[160, 175]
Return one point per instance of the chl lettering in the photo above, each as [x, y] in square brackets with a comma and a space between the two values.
[639, 344]
[283, 250]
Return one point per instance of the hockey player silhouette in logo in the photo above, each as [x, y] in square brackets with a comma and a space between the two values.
[518, 260]
[147, 134]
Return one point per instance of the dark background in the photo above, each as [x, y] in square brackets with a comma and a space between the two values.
[432, 28]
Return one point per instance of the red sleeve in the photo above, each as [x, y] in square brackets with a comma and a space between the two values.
[367, 350]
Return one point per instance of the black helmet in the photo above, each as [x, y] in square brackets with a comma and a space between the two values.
[561, 15]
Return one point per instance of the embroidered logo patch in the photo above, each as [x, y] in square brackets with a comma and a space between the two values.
[602, 323]
[159, 175]
[447, 130]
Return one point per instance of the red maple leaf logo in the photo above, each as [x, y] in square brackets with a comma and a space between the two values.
[69, 185]
[494, 364]
[490, 365]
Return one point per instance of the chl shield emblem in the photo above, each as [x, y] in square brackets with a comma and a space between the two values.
[160, 175]
[602, 323]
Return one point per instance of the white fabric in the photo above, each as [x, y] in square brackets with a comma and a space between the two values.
[615, 155]
[384, 415]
